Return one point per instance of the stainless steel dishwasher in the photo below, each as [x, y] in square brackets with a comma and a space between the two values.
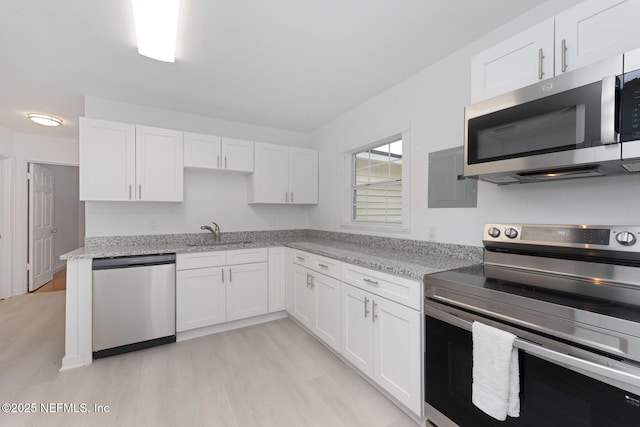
[134, 303]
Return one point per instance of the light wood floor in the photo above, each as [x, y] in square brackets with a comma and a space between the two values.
[59, 283]
[274, 374]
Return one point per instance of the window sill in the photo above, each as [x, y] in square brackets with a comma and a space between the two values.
[399, 229]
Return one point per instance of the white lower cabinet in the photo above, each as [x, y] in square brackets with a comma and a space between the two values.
[382, 339]
[200, 298]
[208, 293]
[316, 304]
[246, 291]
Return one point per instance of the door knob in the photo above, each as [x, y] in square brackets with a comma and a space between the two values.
[54, 231]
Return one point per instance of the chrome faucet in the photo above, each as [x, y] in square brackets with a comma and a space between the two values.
[215, 231]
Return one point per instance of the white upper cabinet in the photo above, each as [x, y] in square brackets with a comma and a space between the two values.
[587, 33]
[284, 175]
[215, 152]
[124, 162]
[303, 176]
[159, 164]
[517, 62]
[107, 160]
[595, 30]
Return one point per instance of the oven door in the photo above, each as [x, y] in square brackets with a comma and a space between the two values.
[568, 123]
[550, 394]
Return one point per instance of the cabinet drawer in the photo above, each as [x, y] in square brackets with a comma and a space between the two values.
[327, 266]
[200, 260]
[303, 258]
[403, 291]
[247, 256]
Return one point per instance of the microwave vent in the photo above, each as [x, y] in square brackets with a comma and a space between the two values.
[632, 167]
[500, 179]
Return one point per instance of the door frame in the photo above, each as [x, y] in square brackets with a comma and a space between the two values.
[6, 243]
[21, 221]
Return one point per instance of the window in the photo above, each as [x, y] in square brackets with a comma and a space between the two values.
[376, 188]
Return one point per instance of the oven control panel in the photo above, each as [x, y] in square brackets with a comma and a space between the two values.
[606, 237]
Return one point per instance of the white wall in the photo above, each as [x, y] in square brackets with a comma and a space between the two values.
[209, 196]
[433, 102]
[6, 143]
[68, 213]
[6, 212]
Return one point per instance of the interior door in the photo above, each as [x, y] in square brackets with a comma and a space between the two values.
[41, 229]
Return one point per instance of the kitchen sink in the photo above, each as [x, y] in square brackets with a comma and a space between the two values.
[205, 244]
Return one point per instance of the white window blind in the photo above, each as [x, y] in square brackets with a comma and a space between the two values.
[377, 183]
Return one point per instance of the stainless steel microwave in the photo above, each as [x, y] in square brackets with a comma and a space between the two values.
[585, 123]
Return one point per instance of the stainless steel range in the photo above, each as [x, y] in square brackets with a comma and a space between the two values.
[571, 295]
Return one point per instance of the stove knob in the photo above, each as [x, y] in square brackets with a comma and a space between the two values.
[625, 238]
[494, 232]
[511, 233]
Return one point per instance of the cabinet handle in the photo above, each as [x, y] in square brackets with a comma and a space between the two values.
[286, 197]
[230, 275]
[373, 282]
[130, 191]
[292, 197]
[311, 281]
[225, 162]
[301, 258]
[323, 265]
[375, 316]
[540, 58]
[366, 307]
[563, 49]
[218, 162]
[223, 275]
[307, 280]
[140, 191]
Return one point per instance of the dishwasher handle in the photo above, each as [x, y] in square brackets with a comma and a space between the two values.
[132, 261]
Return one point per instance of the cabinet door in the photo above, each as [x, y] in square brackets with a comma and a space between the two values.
[107, 160]
[202, 151]
[357, 328]
[159, 164]
[327, 300]
[237, 155]
[246, 290]
[303, 176]
[276, 279]
[595, 30]
[303, 301]
[200, 298]
[517, 62]
[269, 182]
[396, 349]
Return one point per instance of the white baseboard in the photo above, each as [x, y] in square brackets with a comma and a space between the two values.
[229, 326]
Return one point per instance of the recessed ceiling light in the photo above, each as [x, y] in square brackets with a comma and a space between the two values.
[44, 120]
[156, 28]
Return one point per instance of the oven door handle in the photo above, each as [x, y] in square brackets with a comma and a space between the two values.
[571, 362]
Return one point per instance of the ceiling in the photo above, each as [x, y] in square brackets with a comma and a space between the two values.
[290, 64]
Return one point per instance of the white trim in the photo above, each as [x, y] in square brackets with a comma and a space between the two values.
[6, 219]
[229, 326]
[405, 227]
[78, 314]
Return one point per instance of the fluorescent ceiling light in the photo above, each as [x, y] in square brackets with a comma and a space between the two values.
[44, 120]
[156, 27]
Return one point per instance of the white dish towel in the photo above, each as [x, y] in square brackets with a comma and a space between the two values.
[496, 374]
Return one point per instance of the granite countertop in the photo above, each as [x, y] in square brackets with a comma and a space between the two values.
[407, 258]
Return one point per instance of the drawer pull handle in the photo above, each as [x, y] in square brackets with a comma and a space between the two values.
[323, 265]
[301, 258]
[373, 282]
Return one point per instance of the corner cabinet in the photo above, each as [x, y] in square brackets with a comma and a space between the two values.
[125, 162]
[217, 153]
[585, 34]
[283, 175]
